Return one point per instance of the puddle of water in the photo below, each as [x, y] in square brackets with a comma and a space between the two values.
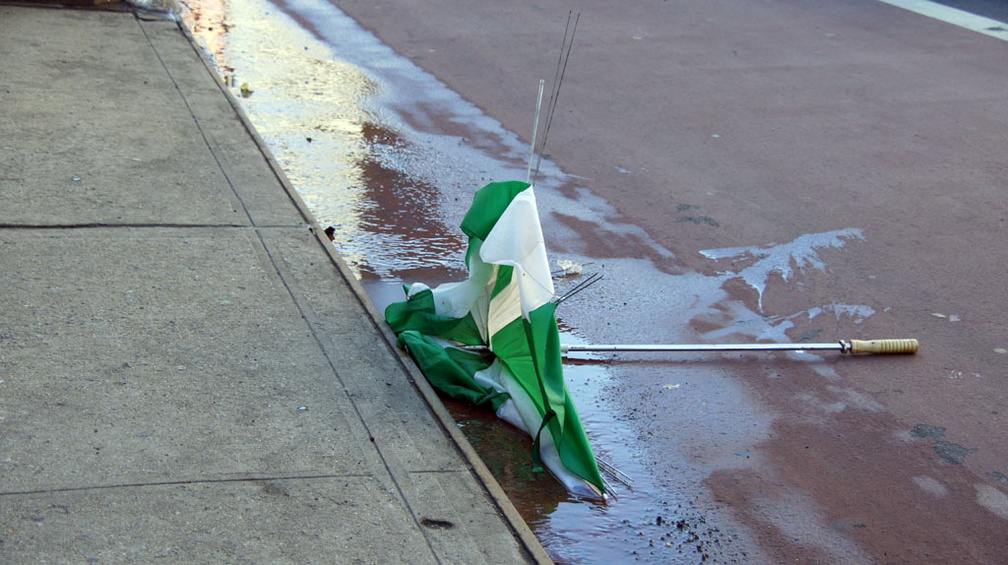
[390, 157]
[322, 118]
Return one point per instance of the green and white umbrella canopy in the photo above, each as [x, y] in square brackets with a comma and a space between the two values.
[506, 304]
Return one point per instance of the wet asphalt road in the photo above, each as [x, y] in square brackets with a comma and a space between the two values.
[723, 124]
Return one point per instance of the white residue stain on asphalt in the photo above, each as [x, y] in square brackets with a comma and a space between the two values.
[784, 260]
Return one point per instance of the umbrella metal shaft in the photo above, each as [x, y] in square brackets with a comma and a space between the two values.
[853, 346]
[687, 347]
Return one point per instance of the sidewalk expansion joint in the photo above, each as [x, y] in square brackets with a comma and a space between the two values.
[146, 225]
[186, 482]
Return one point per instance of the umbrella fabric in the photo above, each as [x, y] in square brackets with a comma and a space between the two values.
[505, 304]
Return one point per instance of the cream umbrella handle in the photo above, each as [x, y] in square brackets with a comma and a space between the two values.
[881, 346]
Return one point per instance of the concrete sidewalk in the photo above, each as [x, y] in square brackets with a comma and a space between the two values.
[187, 372]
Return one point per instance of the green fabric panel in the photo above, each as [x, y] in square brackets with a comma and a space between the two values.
[511, 345]
[541, 376]
[566, 428]
[417, 313]
[473, 251]
[544, 337]
[575, 451]
[537, 463]
[470, 361]
[488, 204]
[451, 372]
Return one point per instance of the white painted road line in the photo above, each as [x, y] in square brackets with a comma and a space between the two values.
[954, 16]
